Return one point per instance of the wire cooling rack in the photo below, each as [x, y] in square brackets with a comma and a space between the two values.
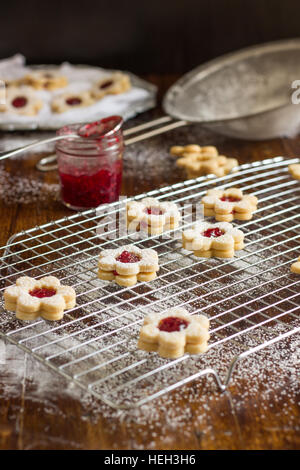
[252, 300]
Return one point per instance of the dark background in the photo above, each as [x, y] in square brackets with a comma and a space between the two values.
[152, 36]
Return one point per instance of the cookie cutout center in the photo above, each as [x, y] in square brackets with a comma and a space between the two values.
[73, 101]
[213, 232]
[171, 324]
[19, 102]
[153, 211]
[106, 84]
[127, 257]
[230, 199]
[42, 292]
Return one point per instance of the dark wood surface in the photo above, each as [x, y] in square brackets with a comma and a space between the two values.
[36, 411]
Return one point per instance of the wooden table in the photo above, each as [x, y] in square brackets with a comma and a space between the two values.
[36, 412]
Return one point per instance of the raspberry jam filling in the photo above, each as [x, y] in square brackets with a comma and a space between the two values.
[88, 189]
[42, 292]
[106, 84]
[127, 257]
[73, 101]
[213, 232]
[170, 324]
[153, 211]
[19, 102]
[229, 199]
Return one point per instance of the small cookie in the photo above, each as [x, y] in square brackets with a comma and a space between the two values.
[213, 240]
[68, 101]
[229, 204]
[294, 170]
[112, 85]
[127, 265]
[152, 216]
[46, 297]
[199, 161]
[295, 268]
[21, 100]
[45, 80]
[174, 333]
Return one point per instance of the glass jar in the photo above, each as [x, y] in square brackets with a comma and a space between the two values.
[90, 167]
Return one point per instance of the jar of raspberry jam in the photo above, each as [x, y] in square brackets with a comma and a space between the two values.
[90, 166]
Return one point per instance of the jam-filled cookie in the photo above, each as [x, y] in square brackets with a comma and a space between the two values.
[213, 240]
[294, 170]
[21, 100]
[69, 101]
[295, 268]
[229, 204]
[174, 333]
[152, 216]
[127, 265]
[200, 161]
[46, 297]
[45, 80]
[114, 84]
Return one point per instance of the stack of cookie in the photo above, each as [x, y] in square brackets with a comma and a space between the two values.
[200, 161]
[226, 205]
[207, 240]
[174, 333]
[127, 265]
[152, 216]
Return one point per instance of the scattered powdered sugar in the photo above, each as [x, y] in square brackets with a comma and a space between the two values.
[16, 189]
[266, 380]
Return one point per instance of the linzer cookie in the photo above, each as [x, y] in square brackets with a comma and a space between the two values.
[112, 85]
[229, 204]
[68, 101]
[45, 79]
[294, 170]
[46, 297]
[174, 333]
[21, 100]
[127, 265]
[213, 240]
[295, 268]
[152, 216]
[200, 161]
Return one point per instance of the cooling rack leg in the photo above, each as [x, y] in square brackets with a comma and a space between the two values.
[252, 351]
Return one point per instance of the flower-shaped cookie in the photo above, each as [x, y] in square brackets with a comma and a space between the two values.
[152, 216]
[174, 333]
[294, 170]
[21, 100]
[67, 101]
[199, 161]
[295, 268]
[226, 205]
[112, 85]
[46, 297]
[45, 79]
[127, 265]
[218, 240]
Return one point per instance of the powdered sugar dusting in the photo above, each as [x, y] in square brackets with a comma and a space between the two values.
[16, 189]
[268, 379]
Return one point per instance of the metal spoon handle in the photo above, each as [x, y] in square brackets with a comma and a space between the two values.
[34, 144]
